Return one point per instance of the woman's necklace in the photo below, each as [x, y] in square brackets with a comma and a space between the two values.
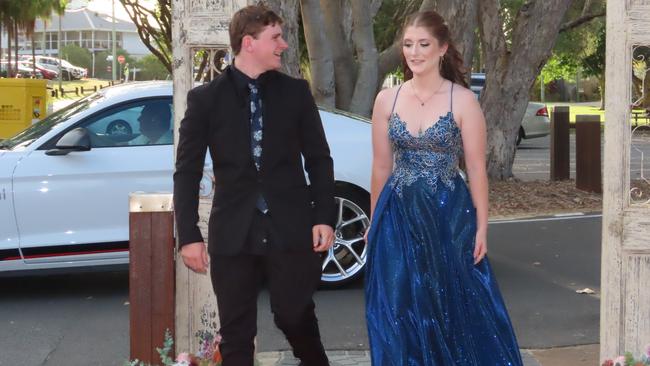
[422, 102]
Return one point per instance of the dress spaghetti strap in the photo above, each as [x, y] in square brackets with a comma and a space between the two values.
[395, 101]
[451, 98]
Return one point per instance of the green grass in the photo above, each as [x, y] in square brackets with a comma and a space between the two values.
[578, 108]
[584, 109]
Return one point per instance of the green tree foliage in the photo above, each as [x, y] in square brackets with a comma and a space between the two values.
[594, 62]
[582, 47]
[560, 66]
[151, 68]
[77, 56]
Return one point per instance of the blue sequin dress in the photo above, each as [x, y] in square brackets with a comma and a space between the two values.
[426, 302]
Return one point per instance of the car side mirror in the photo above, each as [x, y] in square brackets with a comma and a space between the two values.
[77, 139]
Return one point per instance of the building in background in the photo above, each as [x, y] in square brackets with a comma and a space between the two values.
[85, 27]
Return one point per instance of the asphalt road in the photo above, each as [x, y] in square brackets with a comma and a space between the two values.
[539, 265]
[532, 160]
[82, 319]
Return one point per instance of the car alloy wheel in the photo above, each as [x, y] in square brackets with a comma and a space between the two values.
[345, 260]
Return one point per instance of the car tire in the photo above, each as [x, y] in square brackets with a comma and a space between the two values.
[345, 261]
[520, 135]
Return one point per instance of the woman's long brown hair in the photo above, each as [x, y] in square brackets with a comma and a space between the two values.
[452, 67]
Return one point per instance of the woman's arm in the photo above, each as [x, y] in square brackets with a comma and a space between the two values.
[472, 125]
[382, 160]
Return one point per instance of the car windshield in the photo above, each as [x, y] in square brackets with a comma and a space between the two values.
[35, 131]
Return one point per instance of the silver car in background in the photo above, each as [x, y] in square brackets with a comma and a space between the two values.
[536, 121]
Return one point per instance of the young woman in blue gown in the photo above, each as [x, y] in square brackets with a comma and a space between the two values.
[431, 296]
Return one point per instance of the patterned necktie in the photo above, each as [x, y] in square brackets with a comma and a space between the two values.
[256, 135]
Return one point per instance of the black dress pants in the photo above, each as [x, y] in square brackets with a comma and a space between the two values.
[292, 278]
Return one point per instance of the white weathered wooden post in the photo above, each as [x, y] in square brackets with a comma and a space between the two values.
[199, 34]
[625, 278]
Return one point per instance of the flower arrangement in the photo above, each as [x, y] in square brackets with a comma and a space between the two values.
[208, 353]
[629, 360]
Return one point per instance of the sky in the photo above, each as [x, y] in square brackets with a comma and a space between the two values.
[105, 6]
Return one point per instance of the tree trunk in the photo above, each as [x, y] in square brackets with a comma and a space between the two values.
[33, 55]
[391, 58]
[510, 73]
[10, 29]
[288, 11]
[345, 68]
[462, 17]
[0, 41]
[16, 45]
[601, 88]
[320, 56]
[364, 42]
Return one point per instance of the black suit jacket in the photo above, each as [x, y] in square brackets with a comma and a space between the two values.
[217, 117]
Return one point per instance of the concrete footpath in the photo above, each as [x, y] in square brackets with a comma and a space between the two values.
[562, 356]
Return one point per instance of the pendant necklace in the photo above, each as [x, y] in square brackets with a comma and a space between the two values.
[422, 102]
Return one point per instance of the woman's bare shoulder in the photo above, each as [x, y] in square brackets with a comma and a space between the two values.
[463, 92]
[385, 99]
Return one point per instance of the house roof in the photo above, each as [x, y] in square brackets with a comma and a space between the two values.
[84, 19]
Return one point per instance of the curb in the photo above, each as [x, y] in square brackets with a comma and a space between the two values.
[347, 358]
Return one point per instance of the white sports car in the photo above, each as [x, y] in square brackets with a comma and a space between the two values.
[66, 205]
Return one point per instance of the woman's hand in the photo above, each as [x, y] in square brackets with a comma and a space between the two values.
[480, 246]
[365, 235]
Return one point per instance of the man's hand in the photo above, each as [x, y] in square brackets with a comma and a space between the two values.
[323, 237]
[195, 257]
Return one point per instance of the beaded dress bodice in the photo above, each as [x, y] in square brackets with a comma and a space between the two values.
[433, 155]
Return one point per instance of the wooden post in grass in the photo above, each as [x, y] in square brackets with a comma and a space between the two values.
[560, 169]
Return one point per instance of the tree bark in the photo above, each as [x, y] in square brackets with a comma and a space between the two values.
[10, 28]
[580, 21]
[157, 38]
[33, 55]
[510, 73]
[391, 58]
[288, 11]
[1, 37]
[601, 87]
[16, 45]
[364, 42]
[320, 57]
[345, 68]
[462, 17]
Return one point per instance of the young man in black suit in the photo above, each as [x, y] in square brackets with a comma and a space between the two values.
[266, 223]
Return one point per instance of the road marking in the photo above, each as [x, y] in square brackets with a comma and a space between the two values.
[577, 215]
[569, 214]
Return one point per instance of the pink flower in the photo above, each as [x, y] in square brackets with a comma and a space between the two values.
[619, 361]
[647, 350]
[184, 357]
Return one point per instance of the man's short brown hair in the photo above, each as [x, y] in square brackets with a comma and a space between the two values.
[250, 21]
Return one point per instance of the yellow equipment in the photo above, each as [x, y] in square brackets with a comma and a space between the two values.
[22, 103]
